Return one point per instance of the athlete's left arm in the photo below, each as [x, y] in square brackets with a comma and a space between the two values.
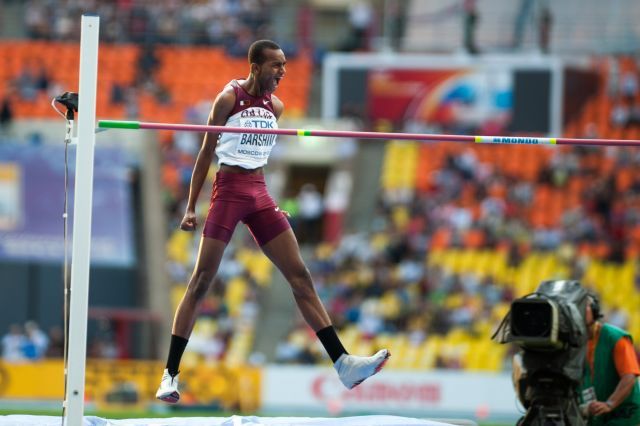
[278, 106]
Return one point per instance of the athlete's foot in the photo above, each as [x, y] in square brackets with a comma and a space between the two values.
[168, 390]
[354, 370]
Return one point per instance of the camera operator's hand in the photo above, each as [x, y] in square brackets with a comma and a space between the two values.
[598, 408]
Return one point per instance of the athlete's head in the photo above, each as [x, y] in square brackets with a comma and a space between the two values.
[267, 62]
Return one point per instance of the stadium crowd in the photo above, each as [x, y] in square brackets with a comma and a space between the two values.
[385, 281]
[579, 205]
[28, 342]
[219, 22]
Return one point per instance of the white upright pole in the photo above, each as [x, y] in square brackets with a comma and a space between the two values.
[79, 298]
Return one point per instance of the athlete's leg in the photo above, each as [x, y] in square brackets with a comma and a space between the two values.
[284, 252]
[352, 370]
[272, 232]
[224, 213]
[209, 256]
[227, 207]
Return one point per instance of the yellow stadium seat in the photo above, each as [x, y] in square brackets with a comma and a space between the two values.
[235, 295]
[430, 350]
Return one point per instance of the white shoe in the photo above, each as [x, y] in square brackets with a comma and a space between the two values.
[354, 370]
[168, 390]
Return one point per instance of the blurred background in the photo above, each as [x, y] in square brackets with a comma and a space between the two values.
[416, 247]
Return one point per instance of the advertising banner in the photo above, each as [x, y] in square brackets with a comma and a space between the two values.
[32, 202]
[416, 393]
[471, 99]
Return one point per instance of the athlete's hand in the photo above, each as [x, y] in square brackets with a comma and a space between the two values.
[189, 221]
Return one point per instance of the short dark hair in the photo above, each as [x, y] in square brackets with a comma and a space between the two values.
[595, 306]
[257, 48]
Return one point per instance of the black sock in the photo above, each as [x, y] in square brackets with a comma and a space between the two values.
[331, 342]
[176, 349]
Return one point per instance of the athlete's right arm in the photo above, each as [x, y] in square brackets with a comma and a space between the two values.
[222, 107]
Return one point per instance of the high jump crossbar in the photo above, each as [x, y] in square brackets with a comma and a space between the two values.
[510, 140]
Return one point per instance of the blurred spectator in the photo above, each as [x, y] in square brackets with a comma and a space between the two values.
[211, 345]
[26, 343]
[396, 19]
[310, 208]
[103, 344]
[239, 44]
[27, 83]
[145, 78]
[117, 93]
[629, 85]
[634, 115]
[360, 20]
[613, 77]
[56, 343]
[36, 19]
[620, 115]
[545, 21]
[132, 102]
[42, 79]
[590, 131]
[524, 12]
[37, 341]
[370, 322]
[13, 343]
[618, 317]
[147, 61]
[6, 114]
[296, 347]
[470, 26]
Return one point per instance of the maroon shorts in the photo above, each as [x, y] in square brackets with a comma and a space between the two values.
[243, 197]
